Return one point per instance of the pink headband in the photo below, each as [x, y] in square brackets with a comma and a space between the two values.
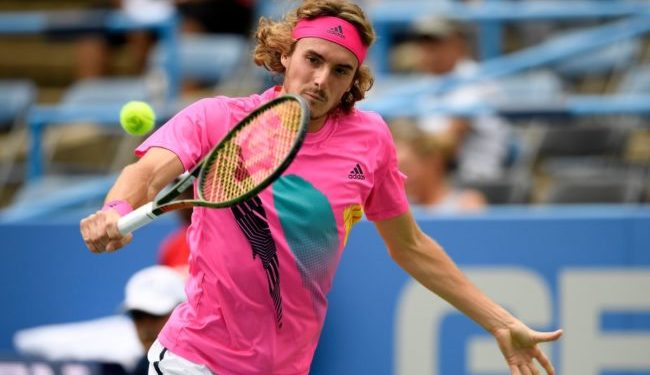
[333, 29]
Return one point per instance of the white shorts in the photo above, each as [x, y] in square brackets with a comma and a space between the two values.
[164, 362]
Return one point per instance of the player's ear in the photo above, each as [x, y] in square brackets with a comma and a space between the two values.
[355, 83]
[284, 60]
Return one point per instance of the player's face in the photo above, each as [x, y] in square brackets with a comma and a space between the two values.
[320, 71]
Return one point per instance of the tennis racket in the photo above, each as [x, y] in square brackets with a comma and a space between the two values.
[248, 159]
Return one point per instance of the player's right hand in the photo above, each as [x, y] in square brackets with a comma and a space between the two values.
[100, 234]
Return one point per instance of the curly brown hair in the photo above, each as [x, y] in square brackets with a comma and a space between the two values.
[274, 40]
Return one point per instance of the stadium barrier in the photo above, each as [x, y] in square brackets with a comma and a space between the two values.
[585, 269]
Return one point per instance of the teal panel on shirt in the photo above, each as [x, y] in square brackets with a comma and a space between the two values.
[308, 223]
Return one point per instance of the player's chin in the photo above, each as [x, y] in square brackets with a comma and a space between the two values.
[315, 110]
[320, 109]
[315, 104]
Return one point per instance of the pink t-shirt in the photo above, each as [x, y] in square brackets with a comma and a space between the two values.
[260, 271]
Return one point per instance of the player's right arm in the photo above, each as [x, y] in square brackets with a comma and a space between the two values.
[137, 184]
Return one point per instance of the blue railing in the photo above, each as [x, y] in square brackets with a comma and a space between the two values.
[407, 97]
[81, 21]
[491, 16]
[44, 116]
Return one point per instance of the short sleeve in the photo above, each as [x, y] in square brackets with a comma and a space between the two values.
[387, 197]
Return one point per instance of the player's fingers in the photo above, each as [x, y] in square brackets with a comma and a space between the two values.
[84, 229]
[112, 230]
[113, 246]
[118, 244]
[99, 237]
[547, 336]
[514, 370]
[545, 362]
[89, 233]
[116, 240]
[525, 370]
[533, 369]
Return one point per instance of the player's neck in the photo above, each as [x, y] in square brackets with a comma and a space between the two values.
[316, 124]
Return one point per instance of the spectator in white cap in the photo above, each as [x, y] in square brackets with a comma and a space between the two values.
[151, 294]
[150, 297]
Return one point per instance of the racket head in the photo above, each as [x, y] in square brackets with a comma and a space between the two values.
[254, 153]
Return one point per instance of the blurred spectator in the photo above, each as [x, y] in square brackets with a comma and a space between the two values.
[197, 16]
[424, 158]
[216, 16]
[95, 50]
[151, 296]
[118, 340]
[480, 144]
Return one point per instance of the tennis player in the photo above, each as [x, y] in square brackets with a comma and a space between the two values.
[260, 271]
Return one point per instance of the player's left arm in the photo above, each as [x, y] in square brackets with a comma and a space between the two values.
[426, 261]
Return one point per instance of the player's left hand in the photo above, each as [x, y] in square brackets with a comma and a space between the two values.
[519, 345]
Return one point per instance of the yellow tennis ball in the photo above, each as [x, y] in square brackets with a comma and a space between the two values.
[137, 118]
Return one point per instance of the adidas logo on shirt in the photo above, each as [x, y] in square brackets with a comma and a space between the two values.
[356, 173]
[337, 30]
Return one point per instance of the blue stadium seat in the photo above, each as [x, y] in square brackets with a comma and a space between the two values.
[635, 81]
[612, 58]
[81, 97]
[598, 189]
[577, 140]
[106, 91]
[16, 97]
[207, 59]
[531, 86]
[513, 188]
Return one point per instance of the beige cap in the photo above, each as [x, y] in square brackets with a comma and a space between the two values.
[155, 290]
[436, 27]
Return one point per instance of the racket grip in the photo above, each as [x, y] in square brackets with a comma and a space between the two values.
[135, 219]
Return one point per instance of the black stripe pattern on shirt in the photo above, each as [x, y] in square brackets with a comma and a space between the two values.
[156, 364]
[251, 218]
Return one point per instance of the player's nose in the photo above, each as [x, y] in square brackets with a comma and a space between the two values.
[321, 76]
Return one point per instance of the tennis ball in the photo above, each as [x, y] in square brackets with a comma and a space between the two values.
[137, 118]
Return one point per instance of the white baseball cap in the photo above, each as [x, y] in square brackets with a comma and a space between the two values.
[155, 290]
[149, 10]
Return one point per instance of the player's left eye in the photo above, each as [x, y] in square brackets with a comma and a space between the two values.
[343, 72]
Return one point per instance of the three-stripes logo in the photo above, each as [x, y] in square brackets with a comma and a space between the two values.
[337, 30]
[356, 173]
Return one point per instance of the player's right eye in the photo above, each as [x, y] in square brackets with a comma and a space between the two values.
[343, 72]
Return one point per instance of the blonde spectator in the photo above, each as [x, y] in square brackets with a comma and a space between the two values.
[424, 158]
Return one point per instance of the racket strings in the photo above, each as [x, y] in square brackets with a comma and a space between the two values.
[253, 154]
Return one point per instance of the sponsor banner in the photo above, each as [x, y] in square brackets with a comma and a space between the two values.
[586, 273]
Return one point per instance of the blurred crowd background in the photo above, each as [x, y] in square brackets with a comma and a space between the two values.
[527, 102]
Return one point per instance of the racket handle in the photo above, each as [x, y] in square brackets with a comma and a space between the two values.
[135, 219]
